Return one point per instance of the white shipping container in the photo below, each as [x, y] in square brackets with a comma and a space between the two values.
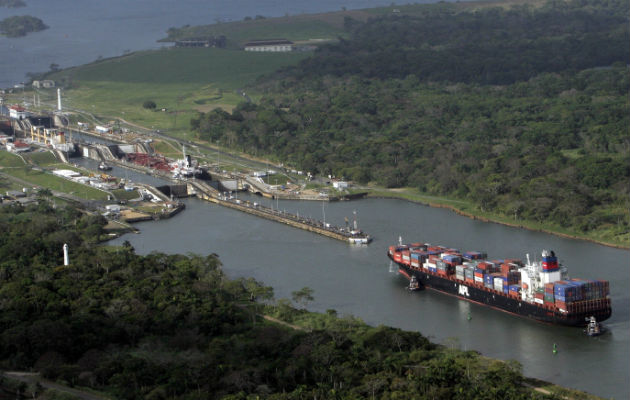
[540, 301]
[478, 279]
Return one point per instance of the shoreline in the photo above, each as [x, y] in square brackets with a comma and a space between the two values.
[485, 219]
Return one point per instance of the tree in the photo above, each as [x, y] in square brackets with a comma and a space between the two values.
[149, 105]
[303, 296]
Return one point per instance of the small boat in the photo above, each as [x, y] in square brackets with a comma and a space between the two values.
[413, 284]
[593, 328]
[104, 166]
[357, 236]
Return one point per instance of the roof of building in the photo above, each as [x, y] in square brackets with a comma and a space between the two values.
[268, 42]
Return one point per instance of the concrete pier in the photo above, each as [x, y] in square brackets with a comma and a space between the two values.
[206, 192]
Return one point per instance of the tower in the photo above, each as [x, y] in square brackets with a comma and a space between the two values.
[66, 257]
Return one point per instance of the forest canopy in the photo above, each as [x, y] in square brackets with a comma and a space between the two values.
[523, 111]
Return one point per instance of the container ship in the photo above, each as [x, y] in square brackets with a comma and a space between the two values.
[538, 289]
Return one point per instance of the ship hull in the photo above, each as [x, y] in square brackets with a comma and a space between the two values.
[500, 301]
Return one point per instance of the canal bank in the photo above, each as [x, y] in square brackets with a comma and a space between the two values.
[356, 280]
[444, 203]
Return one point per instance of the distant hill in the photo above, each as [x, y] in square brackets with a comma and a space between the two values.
[300, 28]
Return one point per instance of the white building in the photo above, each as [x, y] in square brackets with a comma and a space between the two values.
[340, 185]
[17, 147]
[18, 112]
[102, 129]
[272, 45]
[46, 84]
[66, 173]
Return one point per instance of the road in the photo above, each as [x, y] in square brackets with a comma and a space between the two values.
[34, 377]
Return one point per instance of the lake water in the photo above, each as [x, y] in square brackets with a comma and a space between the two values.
[81, 31]
[358, 281]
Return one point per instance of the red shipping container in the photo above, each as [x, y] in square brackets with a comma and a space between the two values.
[506, 268]
[470, 280]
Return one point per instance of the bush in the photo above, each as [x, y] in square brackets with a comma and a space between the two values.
[149, 105]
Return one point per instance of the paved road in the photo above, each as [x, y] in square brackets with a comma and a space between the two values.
[33, 377]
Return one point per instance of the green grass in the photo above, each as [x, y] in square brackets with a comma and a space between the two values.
[10, 160]
[47, 180]
[43, 158]
[122, 194]
[9, 184]
[182, 81]
[167, 149]
[227, 69]
[297, 28]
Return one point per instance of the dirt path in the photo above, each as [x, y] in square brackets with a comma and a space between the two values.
[277, 321]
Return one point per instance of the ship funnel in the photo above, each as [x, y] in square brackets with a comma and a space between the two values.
[66, 257]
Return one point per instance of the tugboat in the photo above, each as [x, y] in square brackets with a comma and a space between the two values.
[357, 236]
[413, 284]
[104, 166]
[593, 328]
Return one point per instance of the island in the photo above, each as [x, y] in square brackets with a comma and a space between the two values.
[12, 3]
[21, 25]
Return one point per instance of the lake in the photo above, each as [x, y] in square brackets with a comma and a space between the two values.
[81, 31]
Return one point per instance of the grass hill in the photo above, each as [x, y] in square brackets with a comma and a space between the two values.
[183, 81]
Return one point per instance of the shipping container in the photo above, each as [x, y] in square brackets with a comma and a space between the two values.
[514, 288]
[475, 255]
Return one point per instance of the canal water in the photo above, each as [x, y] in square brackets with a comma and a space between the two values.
[358, 280]
[128, 174]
